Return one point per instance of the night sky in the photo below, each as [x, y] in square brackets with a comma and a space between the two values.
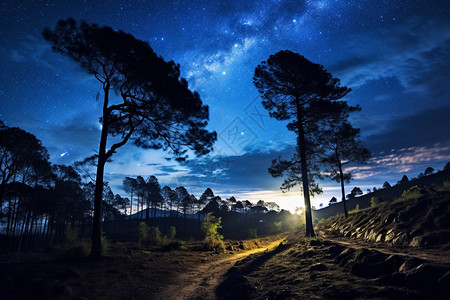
[395, 55]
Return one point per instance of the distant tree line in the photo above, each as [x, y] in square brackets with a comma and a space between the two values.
[38, 200]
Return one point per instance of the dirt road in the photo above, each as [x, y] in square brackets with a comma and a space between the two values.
[201, 281]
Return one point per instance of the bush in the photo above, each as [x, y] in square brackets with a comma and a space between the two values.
[142, 233]
[213, 239]
[411, 193]
[374, 201]
[81, 248]
[356, 210]
[171, 233]
[252, 233]
[155, 236]
[444, 187]
[104, 243]
[71, 235]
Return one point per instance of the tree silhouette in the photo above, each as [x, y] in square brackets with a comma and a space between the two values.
[22, 158]
[404, 179]
[386, 185]
[447, 166]
[356, 191]
[153, 195]
[154, 106]
[428, 171]
[332, 201]
[295, 89]
[130, 186]
[341, 146]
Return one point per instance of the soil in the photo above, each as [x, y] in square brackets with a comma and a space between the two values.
[340, 263]
[279, 267]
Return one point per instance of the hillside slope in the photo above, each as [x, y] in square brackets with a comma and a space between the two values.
[418, 222]
[388, 194]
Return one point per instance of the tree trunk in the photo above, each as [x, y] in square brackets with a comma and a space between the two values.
[304, 166]
[96, 250]
[341, 176]
[131, 203]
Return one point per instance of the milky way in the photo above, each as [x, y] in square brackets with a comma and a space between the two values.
[393, 54]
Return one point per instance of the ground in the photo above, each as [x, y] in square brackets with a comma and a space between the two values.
[287, 266]
[396, 250]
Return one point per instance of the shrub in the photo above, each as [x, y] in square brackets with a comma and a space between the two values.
[71, 235]
[213, 239]
[252, 233]
[155, 236]
[374, 201]
[142, 233]
[354, 211]
[171, 233]
[104, 243]
[278, 226]
[444, 187]
[411, 193]
[80, 248]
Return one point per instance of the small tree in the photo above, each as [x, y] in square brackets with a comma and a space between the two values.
[404, 179]
[332, 201]
[154, 106]
[341, 146]
[428, 171]
[356, 191]
[386, 185]
[213, 239]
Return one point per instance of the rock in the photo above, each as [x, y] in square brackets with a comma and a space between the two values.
[374, 258]
[444, 283]
[391, 279]
[424, 275]
[395, 261]
[409, 265]
[402, 239]
[361, 253]
[416, 241]
[380, 238]
[318, 267]
[360, 269]
[308, 253]
[335, 251]
[315, 243]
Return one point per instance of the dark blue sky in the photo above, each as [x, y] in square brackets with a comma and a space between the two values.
[395, 55]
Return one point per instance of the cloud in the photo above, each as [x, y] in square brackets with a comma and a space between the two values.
[410, 160]
[422, 129]
[416, 53]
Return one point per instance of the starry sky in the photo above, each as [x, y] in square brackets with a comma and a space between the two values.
[394, 54]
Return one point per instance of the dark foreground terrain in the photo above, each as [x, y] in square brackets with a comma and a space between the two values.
[396, 250]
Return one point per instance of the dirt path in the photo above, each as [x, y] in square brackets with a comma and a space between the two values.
[202, 281]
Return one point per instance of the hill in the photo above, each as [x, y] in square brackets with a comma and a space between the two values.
[388, 194]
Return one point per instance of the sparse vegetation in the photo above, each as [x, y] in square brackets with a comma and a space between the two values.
[374, 201]
[444, 187]
[142, 232]
[213, 239]
[356, 210]
[71, 235]
[252, 233]
[155, 236]
[410, 194]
